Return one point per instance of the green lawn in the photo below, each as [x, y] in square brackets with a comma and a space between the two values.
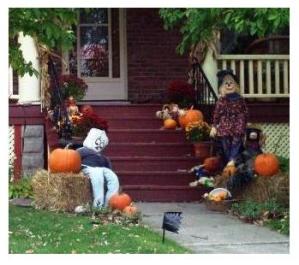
[36, 231]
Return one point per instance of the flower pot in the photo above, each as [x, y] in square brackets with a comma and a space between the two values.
[202, 150]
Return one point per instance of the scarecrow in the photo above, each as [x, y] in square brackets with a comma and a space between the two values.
[230, 117]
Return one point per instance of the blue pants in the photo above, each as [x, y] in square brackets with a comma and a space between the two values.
[98, 176]
[232, 147]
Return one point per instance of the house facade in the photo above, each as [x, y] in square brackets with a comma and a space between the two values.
[126, 57]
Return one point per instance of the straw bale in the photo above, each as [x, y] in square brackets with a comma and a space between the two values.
[60, 191]
[262, 188]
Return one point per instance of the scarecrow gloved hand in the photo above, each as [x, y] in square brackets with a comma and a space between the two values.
[213, 132]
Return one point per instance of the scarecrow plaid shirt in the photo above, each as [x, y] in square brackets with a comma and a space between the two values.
[230, 116]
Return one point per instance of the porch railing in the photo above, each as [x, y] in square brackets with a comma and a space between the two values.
[205, 97]
[260, 75]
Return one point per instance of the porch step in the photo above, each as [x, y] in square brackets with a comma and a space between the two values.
[155, 177]
[156, 163]
[134, 123]
[127, 110]
[146, 136]
[158, 193]
[148, 149]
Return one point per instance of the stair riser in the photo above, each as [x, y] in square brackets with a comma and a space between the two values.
[152, 150]
[153, 165]
[165, 196]
[139, 137]
[134, 124]
[163, 180]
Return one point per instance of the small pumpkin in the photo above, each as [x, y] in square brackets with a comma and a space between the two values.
[189, 116]
[130, 210]
[87, 110]
[64, 160]
[170, 124]
[120, 201]
[229, 171]
[212, 164]
[266, 164]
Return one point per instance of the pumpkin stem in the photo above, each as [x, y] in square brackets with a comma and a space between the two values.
[68, 145]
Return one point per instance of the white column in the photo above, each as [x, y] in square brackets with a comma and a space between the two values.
[29, 86]
[210, 68]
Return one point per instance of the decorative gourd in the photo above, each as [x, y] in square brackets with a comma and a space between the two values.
[120, 201]
[191, 115]
[87, 110]
[64, 160]
[212, 164]
[130, 210]
[266, 164]
[229, 171]
[170, 124]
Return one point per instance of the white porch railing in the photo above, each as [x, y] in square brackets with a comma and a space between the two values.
[261, 76]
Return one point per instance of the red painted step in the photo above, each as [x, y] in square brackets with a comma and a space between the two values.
[158, 193]
[127, 110]
[153, 163]
[134, 123]
[148, 149]
[164, 178]
[146, 136]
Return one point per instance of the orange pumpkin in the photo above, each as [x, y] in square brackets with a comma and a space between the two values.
[130, 210]
[266, 165]
[64, 160]
[87, 110]
[191, 115]
[170, 124]
[120, 201]
[212, 164]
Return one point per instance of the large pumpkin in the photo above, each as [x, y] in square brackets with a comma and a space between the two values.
[170, 124]
[212, 164]
[64, 160]
[191, 115]
[120, 201]
[87, 110]
[266, 164]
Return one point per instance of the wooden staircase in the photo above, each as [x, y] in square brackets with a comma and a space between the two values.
[151, 162]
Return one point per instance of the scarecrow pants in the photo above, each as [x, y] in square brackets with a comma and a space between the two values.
[98, 176]
[232, 147]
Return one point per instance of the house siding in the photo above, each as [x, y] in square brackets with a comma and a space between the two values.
[152, 58]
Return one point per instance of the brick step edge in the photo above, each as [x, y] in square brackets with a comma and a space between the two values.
[155, 193]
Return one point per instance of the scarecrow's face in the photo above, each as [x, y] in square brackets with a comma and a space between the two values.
[229, 85]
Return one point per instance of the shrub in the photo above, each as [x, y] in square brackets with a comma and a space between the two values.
[181, 92]
[21, 189]
[198, 131]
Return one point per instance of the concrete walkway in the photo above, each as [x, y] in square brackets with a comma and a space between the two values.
[208, 232]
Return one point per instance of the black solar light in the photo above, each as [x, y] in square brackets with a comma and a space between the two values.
[171, 222]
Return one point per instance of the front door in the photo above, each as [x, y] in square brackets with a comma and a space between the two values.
[100, 57]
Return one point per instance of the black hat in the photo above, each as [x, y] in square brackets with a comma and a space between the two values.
[221, 74]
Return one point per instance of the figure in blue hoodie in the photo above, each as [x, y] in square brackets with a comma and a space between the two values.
[98, 167]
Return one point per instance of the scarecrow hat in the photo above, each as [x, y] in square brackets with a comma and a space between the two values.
[221, 74]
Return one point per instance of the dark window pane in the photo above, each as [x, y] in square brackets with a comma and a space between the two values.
[94, 16]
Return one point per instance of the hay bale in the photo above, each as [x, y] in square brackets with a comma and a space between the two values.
[60, 191]
[261, 189]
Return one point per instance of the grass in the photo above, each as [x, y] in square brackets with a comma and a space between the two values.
[269, 213]
[37, 231]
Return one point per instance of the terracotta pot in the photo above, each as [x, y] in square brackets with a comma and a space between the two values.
[202, 150]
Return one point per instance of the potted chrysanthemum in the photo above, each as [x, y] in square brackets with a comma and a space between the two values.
[199, 134]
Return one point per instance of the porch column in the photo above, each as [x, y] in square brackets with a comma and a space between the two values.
[29, 86]
[210, 68]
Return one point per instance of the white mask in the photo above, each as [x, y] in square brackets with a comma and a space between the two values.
[96, 140]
